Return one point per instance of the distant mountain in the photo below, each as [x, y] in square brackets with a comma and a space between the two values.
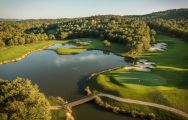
[5, 19]
[168, 14]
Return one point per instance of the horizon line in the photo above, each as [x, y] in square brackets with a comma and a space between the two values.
[20, 19]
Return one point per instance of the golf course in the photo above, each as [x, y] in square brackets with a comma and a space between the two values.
[127, 64]
[165, 84]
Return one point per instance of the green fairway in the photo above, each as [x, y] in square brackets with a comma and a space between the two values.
[166, 84]
[11, 53]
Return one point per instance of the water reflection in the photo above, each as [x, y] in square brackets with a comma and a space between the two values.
[87, 56]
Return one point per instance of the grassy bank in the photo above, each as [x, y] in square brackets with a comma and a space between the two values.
[166, 84]
[14, 52]
[60, 114]
[56, 114]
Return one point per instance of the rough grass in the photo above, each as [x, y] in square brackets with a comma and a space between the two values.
[67, 51]
[166, 84]
[14, 52]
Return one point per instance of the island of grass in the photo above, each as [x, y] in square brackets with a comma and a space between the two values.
[15, 53]
[84, 44]
[98, 44]
[68, 51]
[165, 84]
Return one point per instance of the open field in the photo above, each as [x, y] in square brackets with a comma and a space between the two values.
[11, 53]
[166, 84]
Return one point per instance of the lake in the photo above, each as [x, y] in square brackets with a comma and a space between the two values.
[65, 75]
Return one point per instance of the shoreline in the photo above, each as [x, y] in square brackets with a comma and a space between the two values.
[44, 48]
[25, 55]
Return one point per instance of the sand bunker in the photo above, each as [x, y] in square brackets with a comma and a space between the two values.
[158, 47]
[145, 65]
[141, 65]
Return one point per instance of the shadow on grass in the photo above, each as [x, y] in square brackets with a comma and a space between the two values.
[157, 77]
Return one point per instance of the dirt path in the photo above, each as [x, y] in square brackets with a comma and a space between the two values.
[176, 111]
[54, 107]
[89, 98]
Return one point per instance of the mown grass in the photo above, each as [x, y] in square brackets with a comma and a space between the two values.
[67, 51]
[10, 53]
[166, 84]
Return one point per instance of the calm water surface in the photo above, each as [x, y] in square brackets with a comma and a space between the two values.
[65, 75]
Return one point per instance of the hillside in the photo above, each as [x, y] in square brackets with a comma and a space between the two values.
[168, 14]
[173, 22]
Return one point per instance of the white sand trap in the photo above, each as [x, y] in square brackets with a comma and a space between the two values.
[137, 68]
[142, 65]
[142, 60]
[158, 47]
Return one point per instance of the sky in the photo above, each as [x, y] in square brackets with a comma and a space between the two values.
[40, 9]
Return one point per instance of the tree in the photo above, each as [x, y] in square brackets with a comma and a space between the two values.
[152, 34]
[21, 41]
[21, 100]
[106, 43]
[64, 35]
[2, 44]
[51, 37]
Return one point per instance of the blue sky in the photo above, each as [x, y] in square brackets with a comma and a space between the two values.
[35, 9]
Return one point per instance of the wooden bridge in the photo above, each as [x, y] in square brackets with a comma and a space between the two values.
[81, 100]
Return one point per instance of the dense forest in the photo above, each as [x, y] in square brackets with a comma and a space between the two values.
[177, 28]
[13, 33]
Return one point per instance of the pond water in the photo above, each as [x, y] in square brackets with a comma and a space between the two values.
[65, 75]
